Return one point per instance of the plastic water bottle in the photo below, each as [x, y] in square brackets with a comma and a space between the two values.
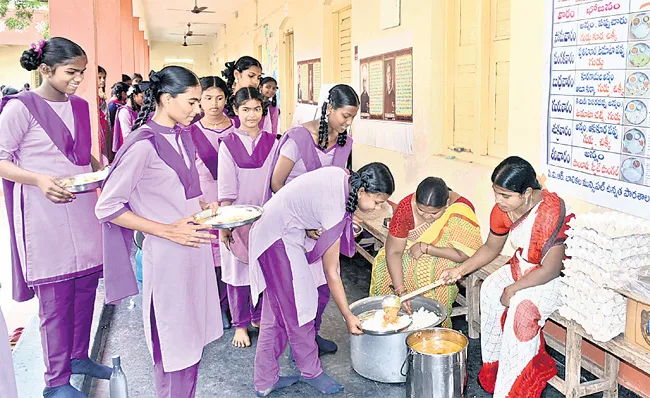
[118, 386]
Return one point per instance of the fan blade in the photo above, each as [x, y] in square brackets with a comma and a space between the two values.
[176, 9]
[201, 10]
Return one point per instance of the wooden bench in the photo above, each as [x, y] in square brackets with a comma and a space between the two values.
[616, 350]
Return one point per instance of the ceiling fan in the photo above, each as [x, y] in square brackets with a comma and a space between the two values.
[188, 45]
[189, 32]
[195, 10]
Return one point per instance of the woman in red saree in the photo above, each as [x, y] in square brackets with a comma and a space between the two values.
[517, 299]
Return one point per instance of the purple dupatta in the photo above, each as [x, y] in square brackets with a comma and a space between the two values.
[119, 278]
[206, 151]
[240, 155]
[76, 150]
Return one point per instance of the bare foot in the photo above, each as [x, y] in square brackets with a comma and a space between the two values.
[241, 338]
[255, 325]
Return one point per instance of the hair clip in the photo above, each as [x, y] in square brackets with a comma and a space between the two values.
[38, 47]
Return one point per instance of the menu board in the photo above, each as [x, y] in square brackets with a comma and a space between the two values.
[387, 86]
[597, 125]
[309, 81]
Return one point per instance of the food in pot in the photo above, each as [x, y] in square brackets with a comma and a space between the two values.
[422, 318]
[436, 346]
[391, 305]
[377, 323]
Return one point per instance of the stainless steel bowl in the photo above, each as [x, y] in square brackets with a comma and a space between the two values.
[90, 186]
[380, 358]
[204, 215]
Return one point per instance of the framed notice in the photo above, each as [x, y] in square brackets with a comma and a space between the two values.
[387, 86]
[596, 125]
[309, 81]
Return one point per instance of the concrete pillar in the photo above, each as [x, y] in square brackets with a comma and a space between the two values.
[137, 46]
[126, 31]
[147, 55]
[143, 52]
[109, 40]
[82, 30]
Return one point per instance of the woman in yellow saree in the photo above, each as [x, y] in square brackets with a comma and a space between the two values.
[432, 230]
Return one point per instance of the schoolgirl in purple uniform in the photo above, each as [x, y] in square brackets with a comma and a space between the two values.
[280, 265]
[321, 142]
[56, 246]
[245, 158]
[154, 187]
[207, 134]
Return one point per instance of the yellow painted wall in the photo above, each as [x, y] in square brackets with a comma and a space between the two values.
[200, 55]
[424, 24]
[11, 73]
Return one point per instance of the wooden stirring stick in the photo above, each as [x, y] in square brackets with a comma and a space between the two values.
[421, 290]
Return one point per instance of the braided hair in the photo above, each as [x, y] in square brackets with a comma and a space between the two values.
[133, 91]
[373, 178]
[339, 96]
[274, 100]
[242, 64]
[172, 80]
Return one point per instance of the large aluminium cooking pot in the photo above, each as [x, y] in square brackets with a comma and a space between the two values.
[380, 358]
[437, 364]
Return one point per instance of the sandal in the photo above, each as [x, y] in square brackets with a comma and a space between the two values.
[15, 336]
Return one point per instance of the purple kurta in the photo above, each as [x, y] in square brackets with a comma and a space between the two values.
[54, 242]
[209, 185]
[177, 280]
[7, 377]
[241, 186]
[124, 120]
[298, 145]
[313, 201]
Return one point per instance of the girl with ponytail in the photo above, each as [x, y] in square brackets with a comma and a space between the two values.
[269, 88]
[126, 116]
[280, 260]
[44, 136]
[246, 72]
[207, 134]
[309, 147]
[245, 157]
[154, 187]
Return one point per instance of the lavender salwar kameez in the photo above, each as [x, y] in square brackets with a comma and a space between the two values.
[280, 266]
[55, 248]
[154, 175]
[244, 166]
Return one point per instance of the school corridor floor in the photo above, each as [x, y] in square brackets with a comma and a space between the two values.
[227, 371]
